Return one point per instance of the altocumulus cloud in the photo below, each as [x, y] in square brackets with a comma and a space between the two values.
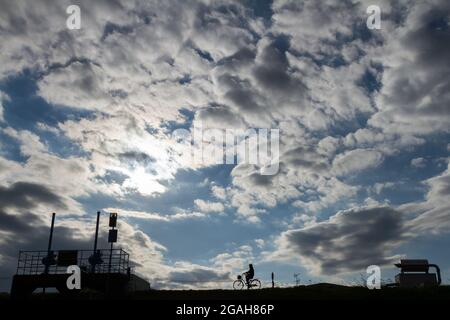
[346, 101]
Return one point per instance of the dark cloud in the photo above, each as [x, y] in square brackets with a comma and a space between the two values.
[431, 45]
[28, 231]
[349, 241]
[241, 58]
[25, 230]
[111, 28]
[419, 99]
[220, 114]
[136, 158]
[306, 157]
[17, 223]
[240, 93]
[25, 195]
[272, 72]
[259, 180]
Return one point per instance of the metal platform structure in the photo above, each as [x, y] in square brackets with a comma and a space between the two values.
[415, 273]
[107, 271]
[115, 261]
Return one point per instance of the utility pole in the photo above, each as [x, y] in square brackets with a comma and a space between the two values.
[50, 258]
[95, 258]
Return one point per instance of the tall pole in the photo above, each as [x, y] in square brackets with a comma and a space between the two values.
[50, 239]
[49, 248]
[95, 242]
[110, 257]
[96, 232]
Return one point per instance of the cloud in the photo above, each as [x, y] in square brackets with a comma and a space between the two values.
[219, 192]
[214, 60]
[3, 98]
[379, 187]
[432, 215]
[46, 168]
[356, 160]
[418, 162]
[223, 116]
[349, 241]
[416, 104]
[235, 261]
[355, 238]
[24, 195]
[207, 206]
[156, 216]
[343, 98]
[260, 243]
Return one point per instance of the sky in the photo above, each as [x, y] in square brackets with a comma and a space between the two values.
[89, 120]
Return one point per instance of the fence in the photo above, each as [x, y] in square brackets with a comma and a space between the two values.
[111, 261]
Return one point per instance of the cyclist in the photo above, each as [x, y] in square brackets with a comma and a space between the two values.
[249, 274]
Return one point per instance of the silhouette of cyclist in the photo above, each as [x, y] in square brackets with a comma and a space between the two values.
[249, 274]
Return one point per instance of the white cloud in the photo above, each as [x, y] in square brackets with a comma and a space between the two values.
[155, 216]
[71, 176]
[219, 192]
[236, 261]
[415, 104]
[419, 162]
[260, 243]
[207, 206]
[3, 98]
[379, 187]
[356, 160]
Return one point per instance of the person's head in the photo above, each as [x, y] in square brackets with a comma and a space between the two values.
[250, 266]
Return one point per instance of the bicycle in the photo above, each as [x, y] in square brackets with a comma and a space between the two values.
[239, 284]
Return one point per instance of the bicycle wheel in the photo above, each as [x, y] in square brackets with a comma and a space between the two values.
[238, 284]
[255, 284]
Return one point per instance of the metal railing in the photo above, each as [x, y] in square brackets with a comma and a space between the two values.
[112, 261]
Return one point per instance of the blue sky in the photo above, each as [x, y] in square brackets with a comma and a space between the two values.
[87, 121]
